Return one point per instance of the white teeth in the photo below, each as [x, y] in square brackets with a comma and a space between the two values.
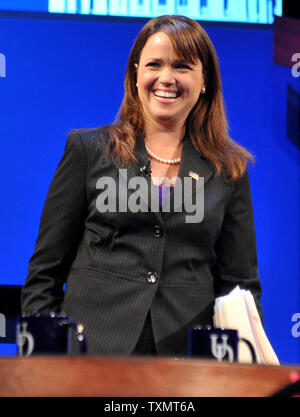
[166, 94]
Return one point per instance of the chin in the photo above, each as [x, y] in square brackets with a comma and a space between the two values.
[164, 115]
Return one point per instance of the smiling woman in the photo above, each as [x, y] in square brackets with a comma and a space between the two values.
[139, 271]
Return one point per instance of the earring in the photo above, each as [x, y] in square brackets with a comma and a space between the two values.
[203, 90]
[137, 84]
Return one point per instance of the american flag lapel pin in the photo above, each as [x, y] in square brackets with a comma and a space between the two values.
[194, 175]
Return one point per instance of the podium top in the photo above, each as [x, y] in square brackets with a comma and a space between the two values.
[138, 377]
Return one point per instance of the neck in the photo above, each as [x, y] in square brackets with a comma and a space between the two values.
[164, 137]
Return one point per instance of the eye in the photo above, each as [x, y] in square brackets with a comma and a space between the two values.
[153, 64]
[182, 65]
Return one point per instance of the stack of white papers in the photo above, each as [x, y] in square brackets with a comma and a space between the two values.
[238, 311]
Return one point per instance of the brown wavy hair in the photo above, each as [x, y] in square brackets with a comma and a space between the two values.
[206, 124]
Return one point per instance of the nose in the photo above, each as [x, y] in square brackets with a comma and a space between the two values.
[167, 76]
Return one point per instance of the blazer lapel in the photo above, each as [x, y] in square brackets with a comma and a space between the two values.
[140, 171]
[191, 163]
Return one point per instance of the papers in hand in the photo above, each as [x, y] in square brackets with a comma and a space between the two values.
[238, 311]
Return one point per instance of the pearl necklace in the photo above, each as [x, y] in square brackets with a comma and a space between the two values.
[164, 161]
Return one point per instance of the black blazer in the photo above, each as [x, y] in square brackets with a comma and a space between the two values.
[119, 265]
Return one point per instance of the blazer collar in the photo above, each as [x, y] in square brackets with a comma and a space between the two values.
[192, 162]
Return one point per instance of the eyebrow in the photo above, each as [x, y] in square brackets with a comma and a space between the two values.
[177, 61]
[153, 59]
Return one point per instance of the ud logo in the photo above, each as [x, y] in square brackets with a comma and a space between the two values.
[219, 350]
[24, 338]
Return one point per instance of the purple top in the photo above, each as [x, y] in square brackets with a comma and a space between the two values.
[164, 192]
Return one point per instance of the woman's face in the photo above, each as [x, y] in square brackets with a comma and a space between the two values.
[168, 87]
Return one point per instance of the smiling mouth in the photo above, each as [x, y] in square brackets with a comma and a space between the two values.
[169, 96]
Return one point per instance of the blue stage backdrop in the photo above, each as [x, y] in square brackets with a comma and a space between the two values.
[58, 75]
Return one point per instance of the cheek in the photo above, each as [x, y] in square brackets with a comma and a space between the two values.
[144, 89]
[145, 80]
[195, 87]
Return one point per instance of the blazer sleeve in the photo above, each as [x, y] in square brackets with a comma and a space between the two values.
[236, 246]
[60, 232]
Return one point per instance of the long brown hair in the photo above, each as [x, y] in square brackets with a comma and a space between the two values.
[206, 124]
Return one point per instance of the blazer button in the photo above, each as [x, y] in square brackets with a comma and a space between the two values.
[158, 231]
[152, 277]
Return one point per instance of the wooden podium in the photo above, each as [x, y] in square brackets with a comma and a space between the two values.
[138, 377]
